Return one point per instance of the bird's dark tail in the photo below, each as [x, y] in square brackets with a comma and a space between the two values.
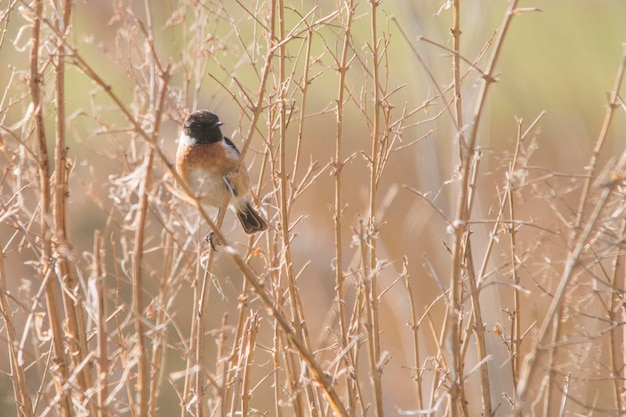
[251, 221]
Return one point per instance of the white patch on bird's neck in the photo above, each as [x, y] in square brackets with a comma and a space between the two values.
[185, 140]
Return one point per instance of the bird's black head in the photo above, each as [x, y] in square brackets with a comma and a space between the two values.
[203, 126]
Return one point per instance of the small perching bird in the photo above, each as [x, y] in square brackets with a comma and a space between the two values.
[211, 166]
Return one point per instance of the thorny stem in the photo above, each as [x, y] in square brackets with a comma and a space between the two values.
[457, 80]
[371, 270]
[59, 361]
[615, 313]
[614, 101]
[338, 206]
[461, 226]
[77, 338]
[143, 370]
[516, 333]
[276, 363]
[454, 304]
[285, 258]
[102, 363]
[252, 326]
[415, 330]
[20, 390]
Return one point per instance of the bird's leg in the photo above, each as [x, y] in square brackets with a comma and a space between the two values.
[210, 237]
[212, 240]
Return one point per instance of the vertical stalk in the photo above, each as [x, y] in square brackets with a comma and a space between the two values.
[616, 336]
[76, 337]
[102, 361]
[143, 371]
[457, 80]
[191, 359]
[479, 333]
[283, 255]
[23, 402]
[516, 331]
[620, 334]
[276, 363]
[297, 320]
[371, 270]
[415, 330]
[252, 327]
[462, 248]
[550, 364]
[160, 335]
[143, 363]
[59, 362]
[238, 336]
[284, 189]
[338, 208]
[201, 297]
[454, 302]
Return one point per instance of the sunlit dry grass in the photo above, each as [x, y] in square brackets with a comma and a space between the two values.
[429, 252]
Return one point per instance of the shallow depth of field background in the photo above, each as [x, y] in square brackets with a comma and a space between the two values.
[559, 63]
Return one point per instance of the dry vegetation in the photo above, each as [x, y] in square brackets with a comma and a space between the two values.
[414, 264]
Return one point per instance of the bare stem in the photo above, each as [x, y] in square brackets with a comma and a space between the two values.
[47, 266]
[614, 101]
[76, 329]
[143, 371]
[371, 270]
[461, 250]
[616, 337]
[347, 14]
[20, 389]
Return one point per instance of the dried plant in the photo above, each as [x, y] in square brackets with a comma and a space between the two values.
[112, 302]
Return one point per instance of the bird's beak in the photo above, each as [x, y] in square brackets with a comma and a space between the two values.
[218, 124]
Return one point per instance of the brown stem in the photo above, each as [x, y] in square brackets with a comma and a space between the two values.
[338, 206]
[102, 362]
[23, 402]
[143, 366]
[76, 328]
[317, 373]
[615, 314]
[455, 293]
[371, 271]
[614, 101]
[59, 361]
[463, 213]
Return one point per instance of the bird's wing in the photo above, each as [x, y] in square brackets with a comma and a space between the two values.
[230, 144]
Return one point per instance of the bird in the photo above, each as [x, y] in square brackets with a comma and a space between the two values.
[210, 164]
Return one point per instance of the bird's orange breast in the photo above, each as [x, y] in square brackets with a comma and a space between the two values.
[207, 167]
[211, 158]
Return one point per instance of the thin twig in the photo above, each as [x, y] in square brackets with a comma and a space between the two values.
[346, 13]
[530, 365]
